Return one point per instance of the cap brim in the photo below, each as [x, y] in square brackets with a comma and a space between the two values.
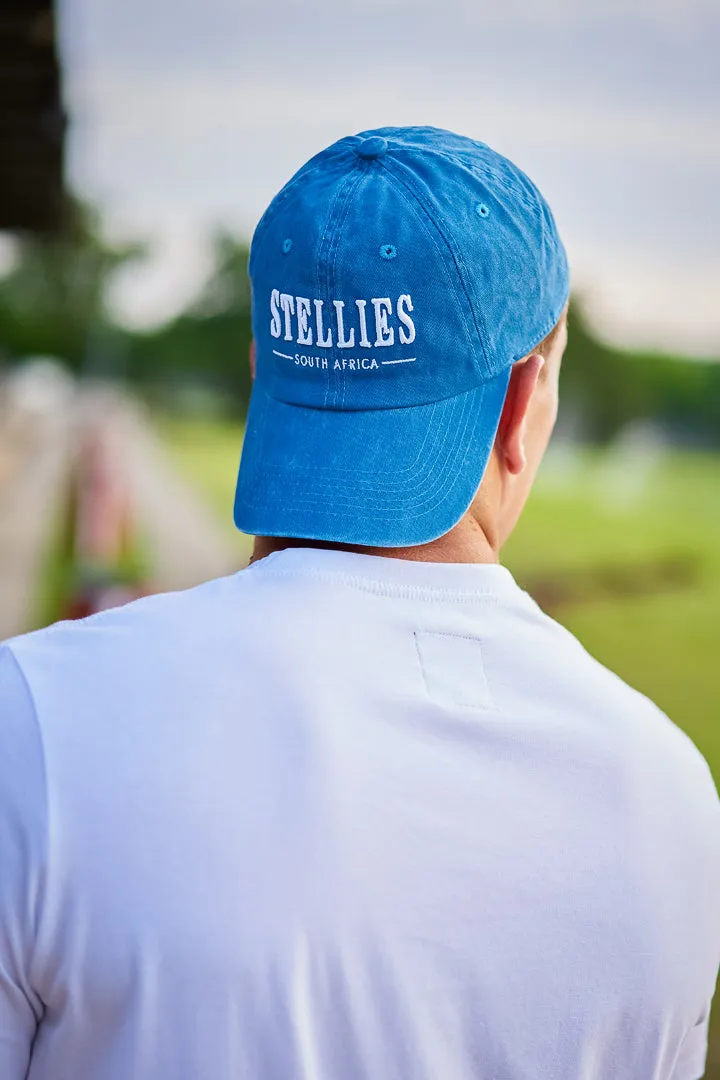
[377, 478]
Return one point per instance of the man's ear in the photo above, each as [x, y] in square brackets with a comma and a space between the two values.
[510, 438]
[251, 357]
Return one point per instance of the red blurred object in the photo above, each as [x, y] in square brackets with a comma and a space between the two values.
[103, 529]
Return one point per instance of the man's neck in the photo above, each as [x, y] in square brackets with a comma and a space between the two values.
[468, 542]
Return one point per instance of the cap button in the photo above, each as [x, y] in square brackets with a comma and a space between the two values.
[373, 147]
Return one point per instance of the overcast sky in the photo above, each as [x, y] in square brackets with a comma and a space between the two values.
[189, 114]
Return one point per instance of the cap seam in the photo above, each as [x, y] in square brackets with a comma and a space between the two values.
[488, 174]
[356, 177]
[399, 151]
[481, 169]
[327, 239]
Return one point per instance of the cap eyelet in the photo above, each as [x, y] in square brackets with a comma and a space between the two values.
[388, 251]
[482, 210]
[286, 245]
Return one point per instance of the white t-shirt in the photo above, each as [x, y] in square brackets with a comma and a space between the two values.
[347, 818]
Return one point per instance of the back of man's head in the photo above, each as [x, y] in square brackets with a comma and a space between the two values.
[407, 285]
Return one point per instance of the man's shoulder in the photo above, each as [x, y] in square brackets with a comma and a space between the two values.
[147, 615]
[644, 736]
[121, 641]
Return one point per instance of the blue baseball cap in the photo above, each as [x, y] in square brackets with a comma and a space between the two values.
[395, 278]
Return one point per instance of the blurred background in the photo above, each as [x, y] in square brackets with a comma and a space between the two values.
[139, 145]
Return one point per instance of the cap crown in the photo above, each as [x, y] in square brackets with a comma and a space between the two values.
[399, 267]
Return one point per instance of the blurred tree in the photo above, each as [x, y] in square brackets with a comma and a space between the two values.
[53, 297]
[227, 290]
[609, 387]
[207, 345]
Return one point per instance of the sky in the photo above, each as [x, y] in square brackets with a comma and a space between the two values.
[188, 115]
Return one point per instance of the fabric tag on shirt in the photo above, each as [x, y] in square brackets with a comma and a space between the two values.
[452, 665]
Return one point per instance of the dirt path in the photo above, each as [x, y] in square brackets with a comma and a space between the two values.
[185, 544]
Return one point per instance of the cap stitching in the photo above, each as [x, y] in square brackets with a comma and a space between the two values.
[428, 498]
[324, 476]
[404, 476]
[324, 290]
[383, 408]
[401, 477]
[332, 471]
[481, 170]
[423, 506]
[357, 176]
[431, 496]
[484, 170]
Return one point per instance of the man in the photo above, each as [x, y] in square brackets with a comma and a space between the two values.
[361, 810]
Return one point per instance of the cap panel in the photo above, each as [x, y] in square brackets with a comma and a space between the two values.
[510, 259]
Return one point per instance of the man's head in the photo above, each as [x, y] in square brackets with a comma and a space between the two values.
[405, 284]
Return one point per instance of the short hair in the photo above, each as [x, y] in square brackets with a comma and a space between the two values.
[548, 341]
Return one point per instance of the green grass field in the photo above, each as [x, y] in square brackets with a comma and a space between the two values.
[622, 548]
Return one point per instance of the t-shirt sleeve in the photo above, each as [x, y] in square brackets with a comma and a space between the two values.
[23, 812]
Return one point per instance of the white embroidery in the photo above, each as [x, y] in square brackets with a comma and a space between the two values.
[275, 327]
[347, 363]
[356, 363]
[303, 315]
[385, 334]
[364, 339]
[343, 342]
[287, 303]
[293, 314]
[324, 343]
[308, 361]
[407, 330]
